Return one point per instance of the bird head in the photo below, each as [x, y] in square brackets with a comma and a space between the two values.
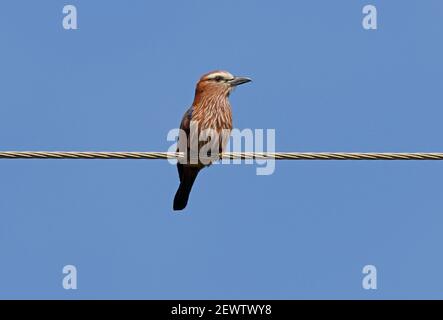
[220, 83]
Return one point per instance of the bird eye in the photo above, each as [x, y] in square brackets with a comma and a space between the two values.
[218, 78]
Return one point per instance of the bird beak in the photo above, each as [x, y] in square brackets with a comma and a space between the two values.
[238, 81]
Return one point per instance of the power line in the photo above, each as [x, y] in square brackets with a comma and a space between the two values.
[227, 155]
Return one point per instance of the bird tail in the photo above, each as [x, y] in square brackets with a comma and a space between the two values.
[187, 181]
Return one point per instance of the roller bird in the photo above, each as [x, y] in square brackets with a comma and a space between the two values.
[210, 110]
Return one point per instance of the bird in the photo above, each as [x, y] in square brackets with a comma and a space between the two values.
[211, 109]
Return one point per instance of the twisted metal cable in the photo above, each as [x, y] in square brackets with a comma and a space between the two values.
[227, 155]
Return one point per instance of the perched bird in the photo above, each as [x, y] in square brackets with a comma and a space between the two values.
[210, 110]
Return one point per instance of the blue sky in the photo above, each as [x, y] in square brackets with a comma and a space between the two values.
[123, 80]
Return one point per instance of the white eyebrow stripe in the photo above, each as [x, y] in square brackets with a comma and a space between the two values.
[224, 75]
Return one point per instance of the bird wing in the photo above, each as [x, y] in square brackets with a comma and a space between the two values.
[185, 125]
[186, 121]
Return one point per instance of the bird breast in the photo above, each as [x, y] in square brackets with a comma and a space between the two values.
[213, 113]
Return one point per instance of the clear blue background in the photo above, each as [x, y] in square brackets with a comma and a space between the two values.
[124, 79]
